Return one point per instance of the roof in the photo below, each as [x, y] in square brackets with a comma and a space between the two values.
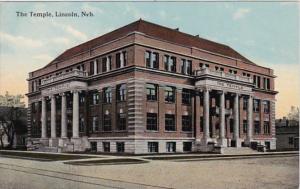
[157, 31]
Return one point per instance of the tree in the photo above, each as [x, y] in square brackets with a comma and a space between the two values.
[11, 122]
[294, 114]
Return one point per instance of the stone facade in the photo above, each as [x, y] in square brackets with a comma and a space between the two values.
[134, 91]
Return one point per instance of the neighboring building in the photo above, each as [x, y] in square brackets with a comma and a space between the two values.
[287, 134]
[11, 100]
[145, 88]
[19, 132]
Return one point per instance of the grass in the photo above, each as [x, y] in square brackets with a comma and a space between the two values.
[40, 156]
[108, 162]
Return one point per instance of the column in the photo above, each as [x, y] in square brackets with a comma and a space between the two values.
[249, 118]
[53, 116]
[222, 115]
[63, 116]
[236, 119]
[75, 114]
[121, 59]
[206, 114]
[95, 67]
[44, 119]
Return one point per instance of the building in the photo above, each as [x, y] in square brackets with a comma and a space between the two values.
[146, 88]
[287, 134]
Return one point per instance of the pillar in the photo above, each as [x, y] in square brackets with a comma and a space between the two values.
[53, 116]
[95, 67]
[206, 115]
[222, 119]
[236, 120]
[44, 119]
[249, 119]
[63, 116]
[75, 114]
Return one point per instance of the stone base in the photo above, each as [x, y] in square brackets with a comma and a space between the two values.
[238, 142]
[247, 142]
[62, 142]
[53, 142]
[222, 142]
[44, 141]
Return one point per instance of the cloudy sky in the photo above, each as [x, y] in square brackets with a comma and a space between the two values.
[266, 33]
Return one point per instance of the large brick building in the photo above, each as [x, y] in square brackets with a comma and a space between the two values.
[147, 88]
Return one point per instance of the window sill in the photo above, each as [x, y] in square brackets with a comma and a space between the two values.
[151, 100]
[170, 131]
[169, 102]
[152, 131]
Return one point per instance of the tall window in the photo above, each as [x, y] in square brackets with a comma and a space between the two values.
[152, 59]
[121, 59]
[95, 98]
[81, 124]
[107, 123]
[186, 67]
[106, 146]
[266, 127]
[106, 64]
[120, 147]
[170, 122]
[256, 127]
[151, 91]
[245, 125]
[266, 106]
[170, 63]
[169, 94]
[152, 121]
[95, 124]
[121, 124]
[81, 99]
[171, 146]
[245, 104]
[107, 95]
[92, 71]
[186, 123]
[256, 105]
[186, 96]
[153, 147]
[121, 92]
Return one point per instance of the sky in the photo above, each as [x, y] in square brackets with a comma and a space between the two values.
[267, 33]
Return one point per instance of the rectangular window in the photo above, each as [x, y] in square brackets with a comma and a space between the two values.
[171, 146]
[107, 123]
[186, 67]
[245, 125]
[148, 59]
[106, 64]
[107, 95]
[170, 122]
[154, 60]
[256, 104]
[268, 84]
[121, 124]
[291, 140]
[106, 146]
[118, 60]
[266, 127]
[187, 146]
[95, 124]
[95, 98]
[266, 106]
[169, 94]
[186, 123]
[81, 124]
[152, 121]
[201, 124]
[245, 103]
[92, 71]
[170, 63]
[153, 147]
[258, 81]
[120, 147]
[121, 92]
[151, 91]
[186, 96]
[256, 127]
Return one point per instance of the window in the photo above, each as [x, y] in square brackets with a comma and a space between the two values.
[152, 59]
[121, 92]
[95, 98]
[95, 124]
[266, 106]
[245, 103]
[106, 64]
[258, 81]
[256, 127]
[170, 63]
[171, 146]
[186, 96]
[121, 124]
[232, 71]
[245, 125]
[266, 127]
[291, 140]
[81, 99]
[151, 91]
[121, 59]
[170, 122]
[268, 84]
[201, 124]
[153, 147]
[107, 123]
[152, 121]
[92, 70]
[120, 147]
[107, 95]
[186, 67]
[34, 107]
[186, 123]
[256, 105]
[187, 146]
[81, 124]
[106, 146]
[169, 94]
